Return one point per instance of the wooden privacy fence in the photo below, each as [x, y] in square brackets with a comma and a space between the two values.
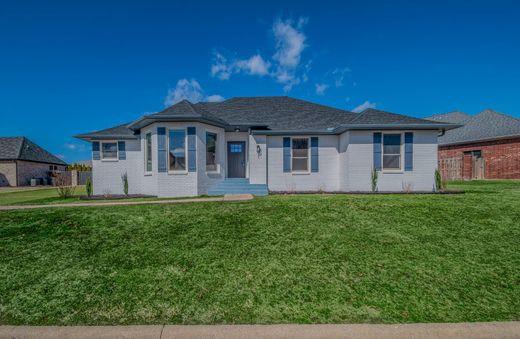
[467, 167]
[451, 168]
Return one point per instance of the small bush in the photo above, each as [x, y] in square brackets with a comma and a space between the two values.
[65, 190]
[374, 178]
[439, 183]
[89, 186]
[124, 178]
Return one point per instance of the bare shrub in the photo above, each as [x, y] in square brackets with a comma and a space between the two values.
[407, 187]
[63, 186]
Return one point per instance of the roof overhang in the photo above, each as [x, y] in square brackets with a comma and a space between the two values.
[150, 119]
[477, 141]
[89, 137]
[353, 127]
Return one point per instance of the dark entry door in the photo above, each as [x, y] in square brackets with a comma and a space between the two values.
[236, 157]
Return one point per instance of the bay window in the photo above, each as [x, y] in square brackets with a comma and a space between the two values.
[148, 152]
[177, 150]
[211, 152]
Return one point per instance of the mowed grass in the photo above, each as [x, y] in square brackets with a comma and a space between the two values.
[38, 196]
[278, 259]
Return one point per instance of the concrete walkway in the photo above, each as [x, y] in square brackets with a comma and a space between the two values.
[366, 331]
[227, 197]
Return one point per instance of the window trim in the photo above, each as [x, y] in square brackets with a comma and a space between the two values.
[102, 157]
[217, 167]
[185, 171]
[401, 153]
[308, 171]
[146, 172]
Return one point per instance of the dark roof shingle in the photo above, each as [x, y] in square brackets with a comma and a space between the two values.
[486, 125]
[21, 148]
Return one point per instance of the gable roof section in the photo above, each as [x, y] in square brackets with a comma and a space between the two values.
[21, 148]
[272, 114]
[486, 125]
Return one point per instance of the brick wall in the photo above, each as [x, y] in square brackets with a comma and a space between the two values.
[7, 173]
[501, 157]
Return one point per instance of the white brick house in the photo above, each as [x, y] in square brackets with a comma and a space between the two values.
[262, 144]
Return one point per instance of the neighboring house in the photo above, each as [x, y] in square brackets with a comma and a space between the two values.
[21, 160]
[486, 147]
[260, 144]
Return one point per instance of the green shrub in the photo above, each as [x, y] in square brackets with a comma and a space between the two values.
[439, 184]
[88, 187]
[374, 178]
[124, 178]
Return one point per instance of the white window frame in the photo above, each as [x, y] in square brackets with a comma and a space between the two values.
[308, 171]
[217, 167]
[102, 154]
[401, 155]
[146, 172]
[185, 171]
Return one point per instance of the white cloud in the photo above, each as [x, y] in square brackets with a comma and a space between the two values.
[215, 98]
[71, 146]
[285, 63]
[61, 156]
[290, 43]
[255, 65]
[364, 106]
[321, 88]
[189, 90]
[223, 69]
[339, 76]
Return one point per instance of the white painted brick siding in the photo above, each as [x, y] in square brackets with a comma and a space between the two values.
[258, 161]
[345, 162]
[360, 162]
[327, 179]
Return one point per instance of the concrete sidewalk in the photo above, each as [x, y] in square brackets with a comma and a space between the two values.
[227, 197]
[366, 331]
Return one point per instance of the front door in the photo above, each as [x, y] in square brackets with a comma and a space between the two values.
[236, 158]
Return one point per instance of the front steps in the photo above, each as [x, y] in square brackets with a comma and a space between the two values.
[237, 186]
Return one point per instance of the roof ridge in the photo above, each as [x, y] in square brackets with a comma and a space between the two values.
[21, 147]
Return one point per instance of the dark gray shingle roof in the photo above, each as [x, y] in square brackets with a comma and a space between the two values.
[121, 131]
[275, 113]
[21, 148]
[486, 125]
[453, 117]
[372, 116]
[278, 113]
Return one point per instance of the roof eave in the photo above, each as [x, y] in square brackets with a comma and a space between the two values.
[93, 137]
[147, 120]
[474, 141]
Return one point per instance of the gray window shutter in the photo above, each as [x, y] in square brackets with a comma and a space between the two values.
[95, 151]
[287, 154]
[377, 151]
[314, 154]
[192, 149]
[408, 151]
[121, 150]
[161, 149]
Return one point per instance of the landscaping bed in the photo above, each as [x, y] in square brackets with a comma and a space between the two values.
[116, 197]
[277, 259]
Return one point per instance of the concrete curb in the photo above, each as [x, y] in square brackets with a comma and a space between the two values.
[447, 330]
[227, 197]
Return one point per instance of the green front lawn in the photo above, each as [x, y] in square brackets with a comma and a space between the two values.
[38, 196]
[278, 259]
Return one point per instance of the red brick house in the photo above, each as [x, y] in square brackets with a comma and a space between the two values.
[486, 147]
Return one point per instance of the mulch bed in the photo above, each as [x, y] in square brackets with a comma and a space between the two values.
[116, 197]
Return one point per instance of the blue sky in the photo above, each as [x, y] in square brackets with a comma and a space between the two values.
[68, 67]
